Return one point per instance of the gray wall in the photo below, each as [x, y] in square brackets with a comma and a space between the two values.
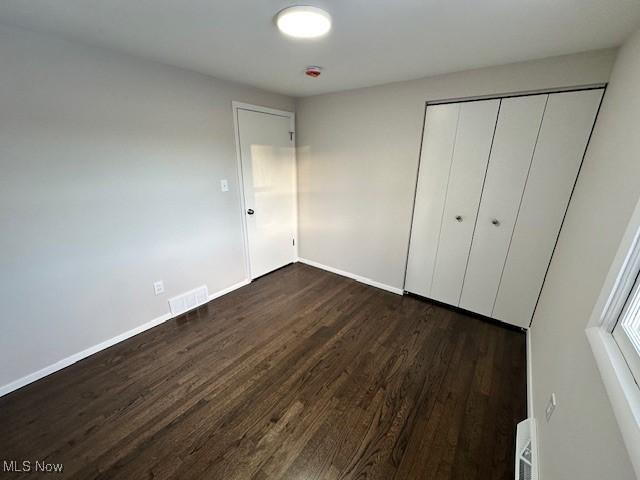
[582, 440]
[109, 179]
[358, 156]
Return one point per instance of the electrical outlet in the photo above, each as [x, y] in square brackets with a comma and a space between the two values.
[224, 185]
[158, 287]
[551, 406]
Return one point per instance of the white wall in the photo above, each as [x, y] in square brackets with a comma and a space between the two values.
[358, 155]
[109, 179]
[582, 440]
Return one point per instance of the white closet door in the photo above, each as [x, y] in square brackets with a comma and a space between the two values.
[513, 146]
[567, 124]
[476, 125]
[438, 138]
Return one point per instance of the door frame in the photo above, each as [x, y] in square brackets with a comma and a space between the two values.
[236, 130]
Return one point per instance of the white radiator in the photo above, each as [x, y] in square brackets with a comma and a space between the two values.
[526, 451]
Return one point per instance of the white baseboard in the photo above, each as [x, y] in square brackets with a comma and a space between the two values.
[358, 278]
[530, 412]
[65, 362]
[531, 418]
[230, 289]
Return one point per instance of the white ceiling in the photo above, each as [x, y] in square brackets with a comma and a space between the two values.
[372, 41]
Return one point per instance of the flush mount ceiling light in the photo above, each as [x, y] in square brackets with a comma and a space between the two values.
[303, 21]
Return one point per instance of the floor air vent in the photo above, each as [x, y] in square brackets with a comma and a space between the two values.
[189, 300]
[526, 451]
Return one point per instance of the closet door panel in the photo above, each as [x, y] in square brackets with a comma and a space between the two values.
[513, 147]
[567, 124]
[470, 156]
[438, 139]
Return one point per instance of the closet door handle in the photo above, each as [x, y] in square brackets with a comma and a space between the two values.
[496, 222]
[250, 211]
[459, 218]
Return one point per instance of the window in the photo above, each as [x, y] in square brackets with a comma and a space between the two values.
[614, 336]
[627, 330]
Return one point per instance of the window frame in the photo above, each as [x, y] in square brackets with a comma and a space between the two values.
[620, 384]
[622, 332]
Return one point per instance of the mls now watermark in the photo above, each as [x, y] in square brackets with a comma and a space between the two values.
[25, 466]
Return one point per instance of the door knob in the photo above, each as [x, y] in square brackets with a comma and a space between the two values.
[459, 218]
[495, 221]
[250, 211]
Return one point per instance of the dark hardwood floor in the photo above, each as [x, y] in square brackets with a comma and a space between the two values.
[303, 374]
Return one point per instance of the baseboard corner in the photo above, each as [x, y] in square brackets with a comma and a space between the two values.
[353, 276]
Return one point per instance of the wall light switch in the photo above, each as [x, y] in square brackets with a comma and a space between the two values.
[158, 287]
[224, 185]
[551, 406]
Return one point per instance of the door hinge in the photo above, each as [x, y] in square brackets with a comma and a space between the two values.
[291, 136]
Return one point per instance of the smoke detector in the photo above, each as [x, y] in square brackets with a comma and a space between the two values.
[313, 71]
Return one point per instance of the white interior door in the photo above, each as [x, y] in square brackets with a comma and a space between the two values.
[438, 138]
[474, 135]
[566, 126]
[267, 159]
[511, 155]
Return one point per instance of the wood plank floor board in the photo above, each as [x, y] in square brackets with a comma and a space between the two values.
[301, 374]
